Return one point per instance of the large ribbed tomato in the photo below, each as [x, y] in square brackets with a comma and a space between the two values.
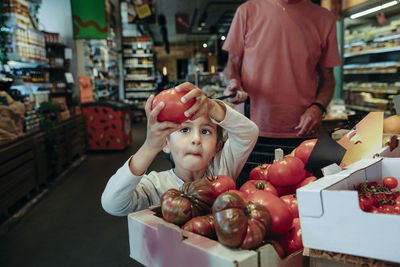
[260, 172]
[254, 185]
[195, 199]
[174, 108]
[303, 151]
[202, 225]
[286, 171]
[280, 214]
[240, 224]
[221, 183]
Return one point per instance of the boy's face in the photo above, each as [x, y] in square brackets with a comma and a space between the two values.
[193, 147]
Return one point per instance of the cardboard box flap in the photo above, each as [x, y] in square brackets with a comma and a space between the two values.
[310, 195]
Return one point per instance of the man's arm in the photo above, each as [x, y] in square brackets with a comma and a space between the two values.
[233, 79]
[310, 121]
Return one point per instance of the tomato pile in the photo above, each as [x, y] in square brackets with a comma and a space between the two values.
[263, 210]
[379, 198]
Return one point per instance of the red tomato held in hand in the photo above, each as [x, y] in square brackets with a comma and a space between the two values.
[291, 202]
[390, 182]
[202, 225]
[252, 186]
[303, 151]
[174, 109]
[286, 171]
[292, 240]
[238, 224]
[260, 172]
[221, 183]
[280, 214]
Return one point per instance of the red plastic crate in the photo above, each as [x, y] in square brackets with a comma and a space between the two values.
[109, 125]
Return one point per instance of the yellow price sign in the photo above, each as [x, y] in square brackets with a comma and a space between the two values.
[143, 11]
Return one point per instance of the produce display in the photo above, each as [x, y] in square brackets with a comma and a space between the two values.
[263, 210]
[173, 109]
[379, 198]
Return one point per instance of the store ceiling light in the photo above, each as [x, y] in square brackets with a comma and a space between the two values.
[205, 45]
[223, 37]
[374, 9]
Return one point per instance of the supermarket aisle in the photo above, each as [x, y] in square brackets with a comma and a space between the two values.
[68, 227]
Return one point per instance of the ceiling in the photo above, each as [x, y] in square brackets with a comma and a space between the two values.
[217, 16]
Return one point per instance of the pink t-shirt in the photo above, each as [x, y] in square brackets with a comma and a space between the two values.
[280, 51]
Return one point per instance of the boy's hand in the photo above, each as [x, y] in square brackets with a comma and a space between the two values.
[202, 104]
[157, 132]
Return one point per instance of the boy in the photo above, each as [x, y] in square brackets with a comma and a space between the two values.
[194, 147]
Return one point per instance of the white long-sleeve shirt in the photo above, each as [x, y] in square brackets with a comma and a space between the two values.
[126, 192]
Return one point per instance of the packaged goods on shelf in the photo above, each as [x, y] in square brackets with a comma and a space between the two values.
[332, 220]
[155, 242]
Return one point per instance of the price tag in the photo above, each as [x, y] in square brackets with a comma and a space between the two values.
[68, 53]
[69, 78]
[396, 101]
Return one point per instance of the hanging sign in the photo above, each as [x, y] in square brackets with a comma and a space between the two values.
[89, 19]
[85, 89]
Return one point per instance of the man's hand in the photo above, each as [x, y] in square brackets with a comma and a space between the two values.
[310, 122]
[234, 87]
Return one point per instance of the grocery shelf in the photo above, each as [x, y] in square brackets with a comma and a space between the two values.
[139, 89]
[137, 55]
[373, 90]
[369, 109]
[373, 51]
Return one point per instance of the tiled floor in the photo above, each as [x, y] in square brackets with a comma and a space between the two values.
[68, 226]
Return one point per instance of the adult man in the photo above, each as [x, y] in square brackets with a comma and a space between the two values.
[282, 54]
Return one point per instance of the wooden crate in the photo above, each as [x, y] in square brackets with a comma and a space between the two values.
[17, 171]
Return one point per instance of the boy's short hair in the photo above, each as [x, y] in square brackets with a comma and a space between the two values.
[220, 137]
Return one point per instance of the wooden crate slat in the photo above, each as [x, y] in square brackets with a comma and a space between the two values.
[14, 163]
[15, 150]
[18, 176]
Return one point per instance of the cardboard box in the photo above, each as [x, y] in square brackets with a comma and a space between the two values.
[331, 218]
[155, 242]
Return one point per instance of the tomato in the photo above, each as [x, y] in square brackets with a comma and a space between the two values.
[292, 240]
[291, 202]
[195, 199]
[366, 203]
[286, 190]
[280, 214]
[286, 171]
[260, 172]
[221, 183]
[202, 225]
[388, 209]
[390, 182]
[241, 194]
[306, 181]
[398, 200]
[240, 224]
[303, 151]
[251, 186]
[174, 109]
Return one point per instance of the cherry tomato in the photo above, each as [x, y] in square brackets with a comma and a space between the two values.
[174, 109]
[390, 182]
